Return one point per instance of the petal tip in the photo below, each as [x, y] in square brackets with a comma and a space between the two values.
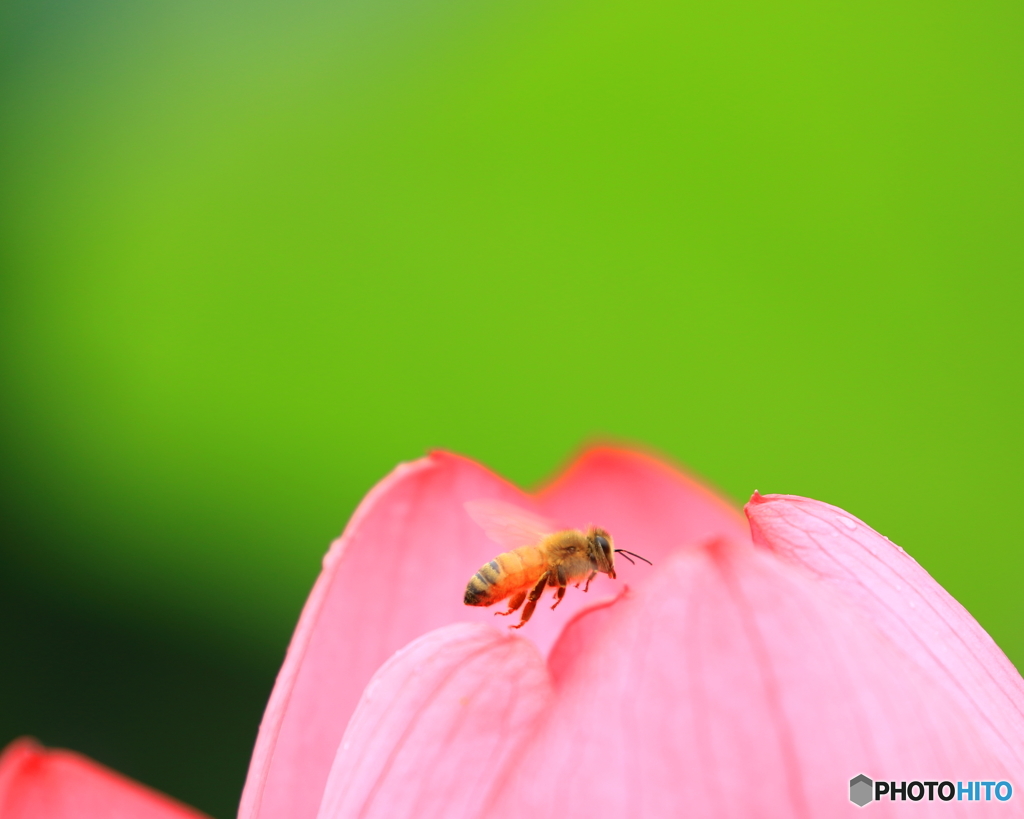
[36, 781]
[18, 753]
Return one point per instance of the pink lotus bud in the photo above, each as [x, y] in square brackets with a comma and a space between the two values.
[739, 676]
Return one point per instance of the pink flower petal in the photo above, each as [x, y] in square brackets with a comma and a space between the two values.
[400, 570]
[437, 726]
[37, 783]
[891, 589]
[731, 685]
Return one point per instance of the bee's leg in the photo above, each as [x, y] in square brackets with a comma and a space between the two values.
[592, 576]
[561, 580]
[514, 603]
[531, 602]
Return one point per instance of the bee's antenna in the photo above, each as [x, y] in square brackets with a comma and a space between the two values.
[626, 555]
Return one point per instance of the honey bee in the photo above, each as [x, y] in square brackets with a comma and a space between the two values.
[540, 554]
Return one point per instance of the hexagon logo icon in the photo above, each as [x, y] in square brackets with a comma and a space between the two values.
[862, 790]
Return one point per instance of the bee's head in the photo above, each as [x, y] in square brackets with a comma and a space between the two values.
[602, 552]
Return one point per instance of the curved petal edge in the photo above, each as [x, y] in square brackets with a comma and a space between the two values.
[437, 726]
[893, 591]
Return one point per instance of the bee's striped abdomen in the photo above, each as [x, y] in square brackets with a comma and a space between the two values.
[507, 574]
[479, 590]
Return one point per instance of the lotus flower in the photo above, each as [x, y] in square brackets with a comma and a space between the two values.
[756, 668]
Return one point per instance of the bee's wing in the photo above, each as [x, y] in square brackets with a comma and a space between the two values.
[508, 525]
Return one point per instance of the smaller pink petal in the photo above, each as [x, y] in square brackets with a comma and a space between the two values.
[732, 685]
[894, 592]
[437, 725]
[38, 783]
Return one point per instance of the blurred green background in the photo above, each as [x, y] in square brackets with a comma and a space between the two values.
[254, 254]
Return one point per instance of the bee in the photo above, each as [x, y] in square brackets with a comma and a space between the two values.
[540, 554]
